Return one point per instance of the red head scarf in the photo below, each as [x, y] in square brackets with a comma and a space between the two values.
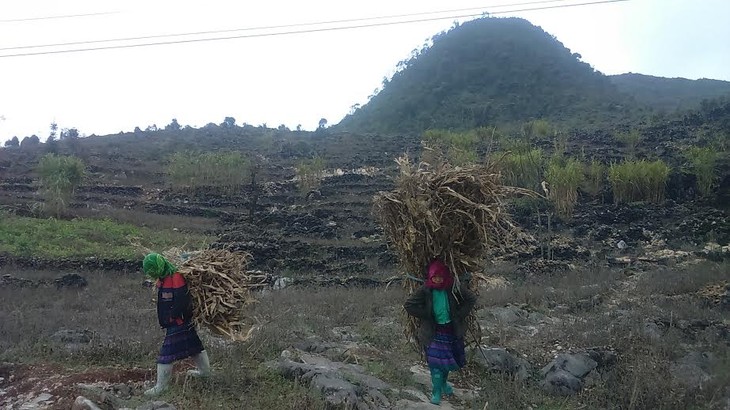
[439, 276]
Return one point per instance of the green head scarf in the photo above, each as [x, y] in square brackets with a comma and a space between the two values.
[157, 267]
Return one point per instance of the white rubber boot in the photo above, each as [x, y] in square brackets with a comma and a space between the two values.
[164, 373]
[203, 365]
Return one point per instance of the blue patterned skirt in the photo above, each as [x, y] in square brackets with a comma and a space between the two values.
[446, 351]
[180, 342]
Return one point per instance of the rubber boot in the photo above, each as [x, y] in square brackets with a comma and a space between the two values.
[437, 383]
[448, 390]
[164, 373]
[203, 365]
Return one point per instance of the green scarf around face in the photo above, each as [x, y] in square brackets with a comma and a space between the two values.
[157, 267]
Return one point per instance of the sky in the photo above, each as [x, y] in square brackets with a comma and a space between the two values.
[299, 78]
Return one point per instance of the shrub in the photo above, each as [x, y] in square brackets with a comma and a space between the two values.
[229, 170]
[310, 173]
[564, 177]
[702, 162]
[638, 181]
[59, 177]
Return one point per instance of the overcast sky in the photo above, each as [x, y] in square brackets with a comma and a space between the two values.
[294, 79]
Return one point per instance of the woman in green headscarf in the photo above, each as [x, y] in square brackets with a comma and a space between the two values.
[174, 313]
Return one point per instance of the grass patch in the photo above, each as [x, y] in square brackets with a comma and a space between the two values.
[523, 166]
[228, 170]
[310, 173]
[564, 177]
[702, 163]
[633, 181]
[79, 238]
[458, 148]
[595, 176]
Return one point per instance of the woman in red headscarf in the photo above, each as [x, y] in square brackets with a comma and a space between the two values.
[442, 310]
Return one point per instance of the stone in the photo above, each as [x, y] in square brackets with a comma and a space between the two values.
[500, 360]
[693, 370]
[341, 384]
[561, 383]
[82, 403]
[568, 372]
[156, 405]
[69, 336]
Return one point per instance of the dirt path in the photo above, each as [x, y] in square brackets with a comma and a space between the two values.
[45, 386]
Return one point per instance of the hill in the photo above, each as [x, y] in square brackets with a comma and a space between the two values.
[490, 71]
[498, 71]
[670, 94]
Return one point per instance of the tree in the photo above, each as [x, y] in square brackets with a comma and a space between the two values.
[322, 123]
[229, 122]
[173, 125]
[28, 141]
[12, 142]
[69, 133]
[54, 129]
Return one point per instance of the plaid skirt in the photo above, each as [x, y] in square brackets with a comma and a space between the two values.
[180, 342]
[445, 352]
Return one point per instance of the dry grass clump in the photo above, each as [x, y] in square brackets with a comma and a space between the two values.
[454, 213]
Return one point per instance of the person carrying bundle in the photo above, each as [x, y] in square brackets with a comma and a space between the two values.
[442, 310]
[174, 313]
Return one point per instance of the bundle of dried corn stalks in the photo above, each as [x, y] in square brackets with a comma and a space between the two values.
[219, 285]
[454, 213]
[221, 288]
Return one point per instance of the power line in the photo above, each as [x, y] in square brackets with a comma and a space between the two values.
[315, 30]
[278, 26]
[66, 16]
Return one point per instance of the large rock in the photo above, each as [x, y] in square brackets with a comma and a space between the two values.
[694, 369]
[569, 372]
[72, 339]
[498, 359]
[343, 385]
[82, 403]
[156, 405]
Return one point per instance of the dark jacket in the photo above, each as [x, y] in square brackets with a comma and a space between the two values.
[174, 304]
[420, 305]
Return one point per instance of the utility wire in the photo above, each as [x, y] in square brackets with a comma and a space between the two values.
[278, 26]
[67, 16]
[315, 30]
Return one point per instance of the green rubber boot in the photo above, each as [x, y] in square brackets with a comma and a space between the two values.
[437, 383]
[447, 389]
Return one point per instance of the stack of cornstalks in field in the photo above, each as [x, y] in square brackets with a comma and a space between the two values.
[453, 213]
[220, 288]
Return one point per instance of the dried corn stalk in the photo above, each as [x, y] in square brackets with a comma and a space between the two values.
[221, 288]
[455, 213]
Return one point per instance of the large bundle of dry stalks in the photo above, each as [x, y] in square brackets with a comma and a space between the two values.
[220, 287]
[454, 213]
